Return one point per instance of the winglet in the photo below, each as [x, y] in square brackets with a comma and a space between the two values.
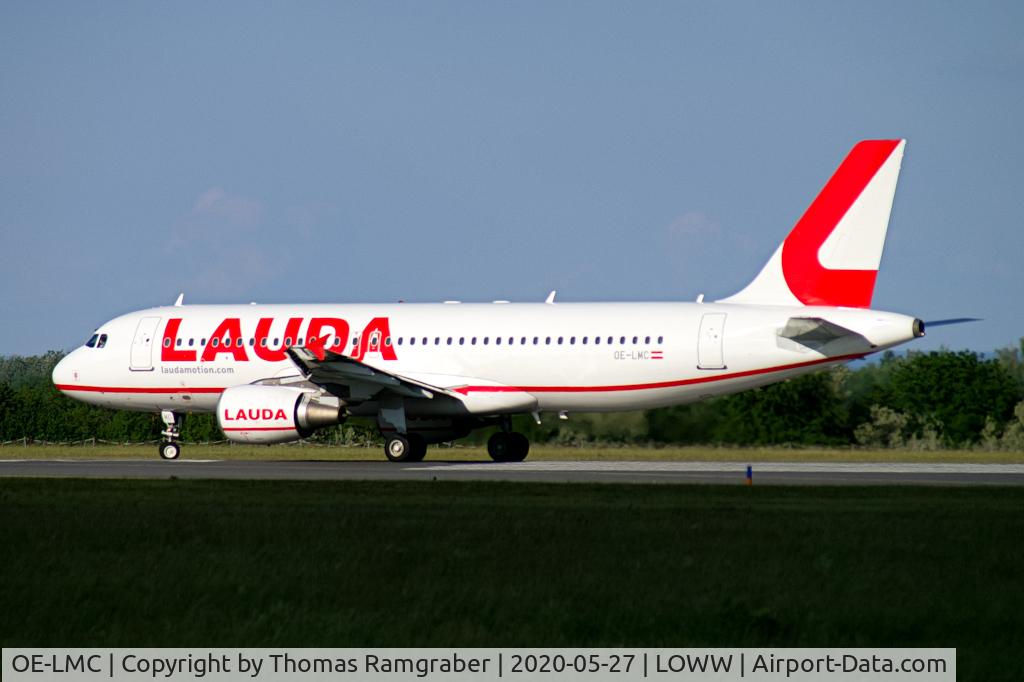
[181, 297]
[551, 297]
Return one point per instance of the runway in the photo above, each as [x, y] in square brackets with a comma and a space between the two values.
[727, 473]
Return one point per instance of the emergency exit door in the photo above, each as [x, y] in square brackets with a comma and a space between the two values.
[709, 341]
[142, 345]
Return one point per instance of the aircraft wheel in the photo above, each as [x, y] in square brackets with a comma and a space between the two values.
[499, 446]
[520, 447]
[400, 448]
[418, 448]
[170, 450]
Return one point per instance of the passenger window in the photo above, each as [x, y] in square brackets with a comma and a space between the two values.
[486, 340]
[387, 341]
[559, 340]
[572, 340]
[412, 341]
[497, 340]
[635, 339]
[622, 340]
[167, 342]
[472, 341]
[597, 340]
[584, 340]
[462, 340]
[216, 342]
[547, 341]
[610, 341]
[399, 340]
[536, 340]
[660, 339]
[647, 340]
[522, 341]
[191, 342]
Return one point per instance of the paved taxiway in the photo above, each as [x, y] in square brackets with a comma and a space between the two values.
[776, 473]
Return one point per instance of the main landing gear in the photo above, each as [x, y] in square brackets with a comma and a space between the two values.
[407, 442]
[169, 447]
[410, 447]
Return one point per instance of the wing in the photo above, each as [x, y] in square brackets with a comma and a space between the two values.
[356, 381]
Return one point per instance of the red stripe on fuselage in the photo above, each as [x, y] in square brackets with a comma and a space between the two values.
[465, 390]
[137, 389]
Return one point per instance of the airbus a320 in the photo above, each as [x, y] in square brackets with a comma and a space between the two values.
[431, 373]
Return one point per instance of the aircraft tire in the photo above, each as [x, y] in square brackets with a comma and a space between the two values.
[170, 450]
[499, 446]
[418, 447]
[402, 448]
[520, 447]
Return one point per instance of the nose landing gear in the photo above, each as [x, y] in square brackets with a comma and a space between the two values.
[169, 447]
[508, 445]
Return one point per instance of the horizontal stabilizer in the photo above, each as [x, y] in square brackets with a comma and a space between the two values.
[955, 320]
[826, 337]
[813, 329]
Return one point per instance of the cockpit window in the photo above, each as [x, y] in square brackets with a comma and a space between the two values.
[91, 343]
[102, 342]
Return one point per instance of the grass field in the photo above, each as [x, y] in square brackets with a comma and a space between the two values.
[539, 453]
[180, 563]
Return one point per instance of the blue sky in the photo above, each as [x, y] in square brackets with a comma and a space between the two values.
[287, 152]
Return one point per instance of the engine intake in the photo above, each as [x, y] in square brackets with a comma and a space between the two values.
[275, 414]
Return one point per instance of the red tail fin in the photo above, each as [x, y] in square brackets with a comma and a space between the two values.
[832, 254]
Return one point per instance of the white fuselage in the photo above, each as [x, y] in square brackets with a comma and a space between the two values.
[502, 357]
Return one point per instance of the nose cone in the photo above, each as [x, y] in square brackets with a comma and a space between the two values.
[63, 373]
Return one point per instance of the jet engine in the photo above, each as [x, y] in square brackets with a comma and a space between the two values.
[275, 414]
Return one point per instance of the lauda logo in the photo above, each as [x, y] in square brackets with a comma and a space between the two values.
[227, 339]
[808, 279]
[255, 414]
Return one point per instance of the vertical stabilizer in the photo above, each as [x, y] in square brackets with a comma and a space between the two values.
[831, 256]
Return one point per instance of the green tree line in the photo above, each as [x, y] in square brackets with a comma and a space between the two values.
[920, 400]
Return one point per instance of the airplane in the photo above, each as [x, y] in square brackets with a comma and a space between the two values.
[433, 372]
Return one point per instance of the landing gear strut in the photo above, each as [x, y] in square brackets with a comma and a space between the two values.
[169, 447]
[401, 447]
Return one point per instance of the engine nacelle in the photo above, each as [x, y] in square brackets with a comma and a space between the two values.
[274, 414]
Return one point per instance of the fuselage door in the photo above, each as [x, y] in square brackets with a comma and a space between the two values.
[142, 345]
[709, 341]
